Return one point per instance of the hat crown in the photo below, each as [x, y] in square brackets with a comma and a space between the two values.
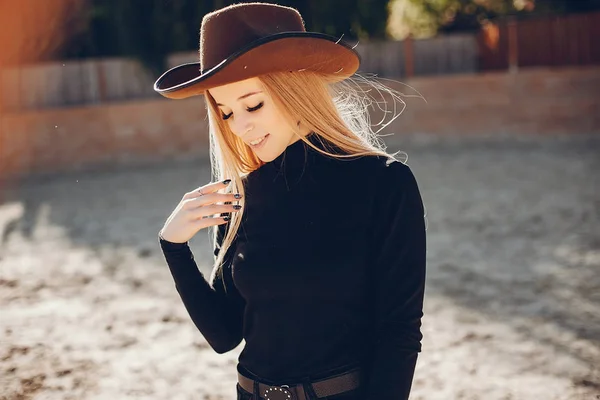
[225, 31]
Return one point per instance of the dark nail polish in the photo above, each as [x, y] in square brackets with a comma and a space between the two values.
[237, 196]
[237, 207]
[227, 218]
[227, 181]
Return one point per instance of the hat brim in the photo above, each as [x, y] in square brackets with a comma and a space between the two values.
[287, 51]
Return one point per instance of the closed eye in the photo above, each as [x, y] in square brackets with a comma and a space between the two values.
[259, 105]
[250, 109]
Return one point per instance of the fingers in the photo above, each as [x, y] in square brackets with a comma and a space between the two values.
[213, 198]
[205, 211]
[204, 206]
[202, 223]
[207, 189]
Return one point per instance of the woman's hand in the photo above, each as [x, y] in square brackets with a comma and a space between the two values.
[195, 211]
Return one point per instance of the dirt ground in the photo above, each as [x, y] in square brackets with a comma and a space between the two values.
[89, 309]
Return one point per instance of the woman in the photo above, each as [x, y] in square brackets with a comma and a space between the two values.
[320, 264]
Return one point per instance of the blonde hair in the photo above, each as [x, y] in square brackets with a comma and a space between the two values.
[337, 112]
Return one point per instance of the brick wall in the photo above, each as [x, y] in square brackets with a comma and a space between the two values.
[540, 101]
[533, 101]
[107, 136]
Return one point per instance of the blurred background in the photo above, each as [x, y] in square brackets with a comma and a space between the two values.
[500, 122]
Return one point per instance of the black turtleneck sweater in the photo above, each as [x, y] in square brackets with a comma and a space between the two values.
[326, 271]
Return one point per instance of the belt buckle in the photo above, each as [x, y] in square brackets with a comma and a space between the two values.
[278, 393]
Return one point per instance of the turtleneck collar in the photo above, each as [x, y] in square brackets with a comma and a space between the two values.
[294, 153]
[295, 160]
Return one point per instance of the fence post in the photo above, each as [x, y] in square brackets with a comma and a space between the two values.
[409, 56]
[513, 45]
[101, 76]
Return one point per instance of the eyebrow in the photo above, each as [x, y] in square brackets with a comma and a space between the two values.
[244, 96]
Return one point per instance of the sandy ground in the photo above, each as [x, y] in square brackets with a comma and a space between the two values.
[89, 309]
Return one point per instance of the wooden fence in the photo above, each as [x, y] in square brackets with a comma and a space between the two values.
[507, 44]
[70, 83]
[436, 56]
[540, 41]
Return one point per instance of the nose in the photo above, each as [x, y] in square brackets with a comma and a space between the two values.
[242, 126]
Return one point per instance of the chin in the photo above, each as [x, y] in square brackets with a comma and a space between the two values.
[267, 156]
[266, 159]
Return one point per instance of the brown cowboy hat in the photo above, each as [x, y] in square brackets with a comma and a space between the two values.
[250, 39]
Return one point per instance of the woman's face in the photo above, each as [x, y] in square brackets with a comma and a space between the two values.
[251, 115]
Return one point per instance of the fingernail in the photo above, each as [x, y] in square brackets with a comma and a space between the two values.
[237, 196]
[237, 207]
[226, 218]
[227, 181]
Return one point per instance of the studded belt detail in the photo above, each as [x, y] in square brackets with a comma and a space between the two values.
[322, 388]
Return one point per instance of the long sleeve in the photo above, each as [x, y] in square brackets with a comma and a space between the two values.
[216, 308]
[399, 284]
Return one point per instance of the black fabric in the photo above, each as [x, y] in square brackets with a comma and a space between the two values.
[327, 271]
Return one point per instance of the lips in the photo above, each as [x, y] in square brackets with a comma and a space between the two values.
[259, 143]
[255, 139]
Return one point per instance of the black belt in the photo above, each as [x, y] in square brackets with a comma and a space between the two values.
[322, 388]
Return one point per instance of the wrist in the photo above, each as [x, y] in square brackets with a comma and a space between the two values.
[168, 242]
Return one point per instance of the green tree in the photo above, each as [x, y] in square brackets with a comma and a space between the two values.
[423, 18]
